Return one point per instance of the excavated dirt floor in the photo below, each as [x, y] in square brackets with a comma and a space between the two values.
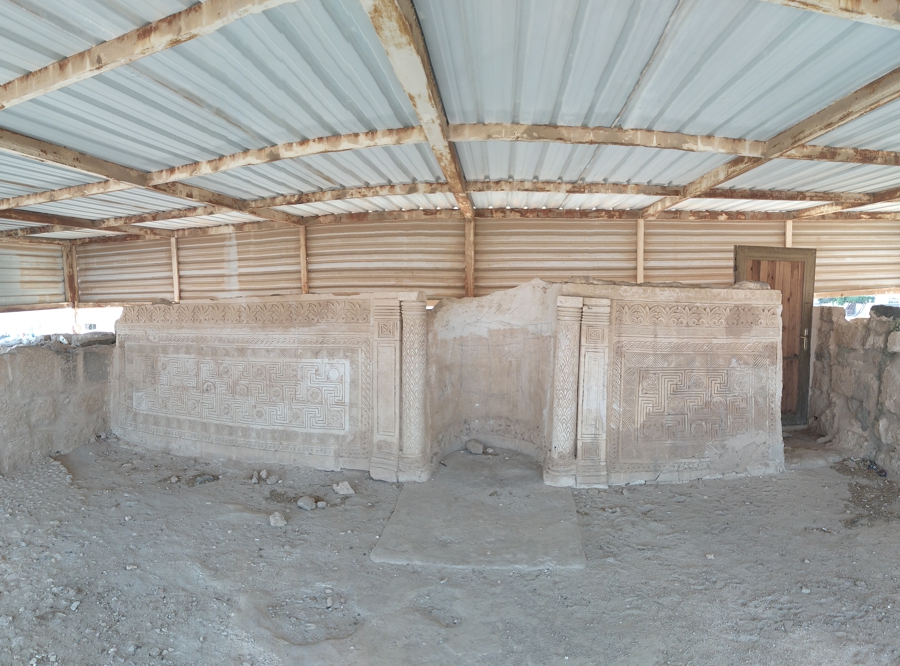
[117, 555]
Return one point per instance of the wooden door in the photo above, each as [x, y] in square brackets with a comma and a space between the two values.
[792, 272]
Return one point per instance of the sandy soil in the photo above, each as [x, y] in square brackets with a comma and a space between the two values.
[105, 559]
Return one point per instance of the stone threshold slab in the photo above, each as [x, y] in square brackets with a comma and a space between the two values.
[484, 511]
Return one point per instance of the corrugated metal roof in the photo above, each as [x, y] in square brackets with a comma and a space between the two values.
[31, 274]
[36, 33]
[373, 204]
[877, 130]
[502, 160]
[564, 201]
[113, 204]
[357, 168]
[740, 68]
[201, 221]
[883, 207]
[15, 224]
[20, 175]
[306, 69]
[74, 234]
[818, 176]
[744, 205]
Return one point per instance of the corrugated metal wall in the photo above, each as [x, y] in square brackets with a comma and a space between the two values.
[31, 274]
[852, 256]
[701, 252]
[251, 263]
[117, 272]
[510, 252]
[426, 255]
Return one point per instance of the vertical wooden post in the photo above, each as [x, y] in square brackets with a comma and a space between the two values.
[640, 250]
[789, 233]
[70, 273]
[470, 256]
[176, 280]
[304, 262]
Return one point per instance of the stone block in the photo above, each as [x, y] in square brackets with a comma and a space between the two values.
[890, 387]
[893, 342]
[851, 334]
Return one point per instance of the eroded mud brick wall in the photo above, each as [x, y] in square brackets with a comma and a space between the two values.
[855, 394]
[51, 400]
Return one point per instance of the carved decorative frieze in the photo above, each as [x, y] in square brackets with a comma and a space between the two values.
[696, 315]
[414, 455]
[560, 465]
[263, 313]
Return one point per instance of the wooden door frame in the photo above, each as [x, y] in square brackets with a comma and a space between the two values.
[745, 253]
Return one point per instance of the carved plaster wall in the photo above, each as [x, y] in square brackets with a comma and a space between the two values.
[664, 384]
[331, 382]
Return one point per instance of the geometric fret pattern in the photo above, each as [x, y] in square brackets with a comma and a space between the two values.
[308, 394]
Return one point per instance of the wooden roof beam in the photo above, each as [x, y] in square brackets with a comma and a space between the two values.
[885, 13]
[200, 19]
[850, 107]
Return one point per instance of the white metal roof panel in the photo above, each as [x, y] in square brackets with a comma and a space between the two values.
[745, 205]
[74, 234]
[305, 69]
[113, 204]
[15, 224]
[883, 207]
[538, 200]
[878, 130]
[818, 176]
[356, 168]
[201, 221]
[502, 160]
[373, 204]
[21, 175]
[36, 33]
[740, 68]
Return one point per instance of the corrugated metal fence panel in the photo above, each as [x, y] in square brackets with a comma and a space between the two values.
[31, 274]
[250, 263]
[701, 252]
[426, 255]
[852, 256]
[510, 252]
[128, 271]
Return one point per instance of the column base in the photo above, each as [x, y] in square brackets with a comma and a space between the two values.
[413, 469]
[559, 473]
[383, 466]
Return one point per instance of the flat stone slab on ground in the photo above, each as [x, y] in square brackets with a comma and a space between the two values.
[484, 511]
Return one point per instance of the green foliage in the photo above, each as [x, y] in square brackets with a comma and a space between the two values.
[843, 300]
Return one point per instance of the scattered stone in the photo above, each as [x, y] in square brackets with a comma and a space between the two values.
[204, 478]
[130, 567]
[329, 602]
[710, 556]
[343, 488]
[475, 447]
[489, 451]
[321, 505]
[264, 474]
[804, 590]
[255, 477]
[272, 480]
[277, 520]
[788, 625]
[647, 508]
[306, 503]
[174, 479]
[75, 605]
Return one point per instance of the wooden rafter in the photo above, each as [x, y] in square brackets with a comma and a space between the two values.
[885, 13]
[196, 21]
[850, 107]
[398, 28]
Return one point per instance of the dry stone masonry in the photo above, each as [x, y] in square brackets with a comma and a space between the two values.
[855, 393]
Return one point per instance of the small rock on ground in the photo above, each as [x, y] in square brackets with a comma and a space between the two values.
[475, 447]
[343, 488]
[306, 503]
[277, 520]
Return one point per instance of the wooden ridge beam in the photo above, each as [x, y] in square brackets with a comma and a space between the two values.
[885, 13]
[64, 194]
[200, 19]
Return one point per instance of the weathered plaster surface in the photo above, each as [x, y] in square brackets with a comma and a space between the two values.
[855, 393]
[613, 383]
[52, 400]
[314, 380]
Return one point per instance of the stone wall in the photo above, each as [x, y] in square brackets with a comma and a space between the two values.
[326, 381]
[855, 395]
[53, 399]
